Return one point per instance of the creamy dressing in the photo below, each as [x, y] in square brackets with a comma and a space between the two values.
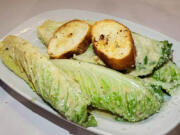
[148, 49]
[106, 115]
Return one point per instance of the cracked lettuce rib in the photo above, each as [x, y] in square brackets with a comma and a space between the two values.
[167, 77]
[124, 95]
[52, 84]
[151, 54]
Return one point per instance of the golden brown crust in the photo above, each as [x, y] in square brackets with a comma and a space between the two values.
[79, 48]
[122, 63]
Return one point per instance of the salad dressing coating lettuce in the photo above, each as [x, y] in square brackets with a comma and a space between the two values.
[51, 83]
[167, 77]
[70, 86]
[151, 54]
[124, 95]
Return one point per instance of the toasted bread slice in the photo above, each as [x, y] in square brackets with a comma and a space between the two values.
[71, 38]
[113, 43]
[47, 29]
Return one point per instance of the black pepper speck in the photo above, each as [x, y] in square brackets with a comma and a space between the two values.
[101, 37]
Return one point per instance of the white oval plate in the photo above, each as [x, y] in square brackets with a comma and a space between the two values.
[160, 123]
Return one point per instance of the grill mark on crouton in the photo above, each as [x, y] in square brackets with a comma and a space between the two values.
[101, 37]
[70, 35]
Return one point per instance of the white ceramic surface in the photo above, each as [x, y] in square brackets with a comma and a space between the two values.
[160, 123]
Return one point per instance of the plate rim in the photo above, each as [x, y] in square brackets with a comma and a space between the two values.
[91, 12]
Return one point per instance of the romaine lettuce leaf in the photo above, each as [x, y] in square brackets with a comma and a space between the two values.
[124, 95]
[167, 77]
[151, 54]
[51, 83]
